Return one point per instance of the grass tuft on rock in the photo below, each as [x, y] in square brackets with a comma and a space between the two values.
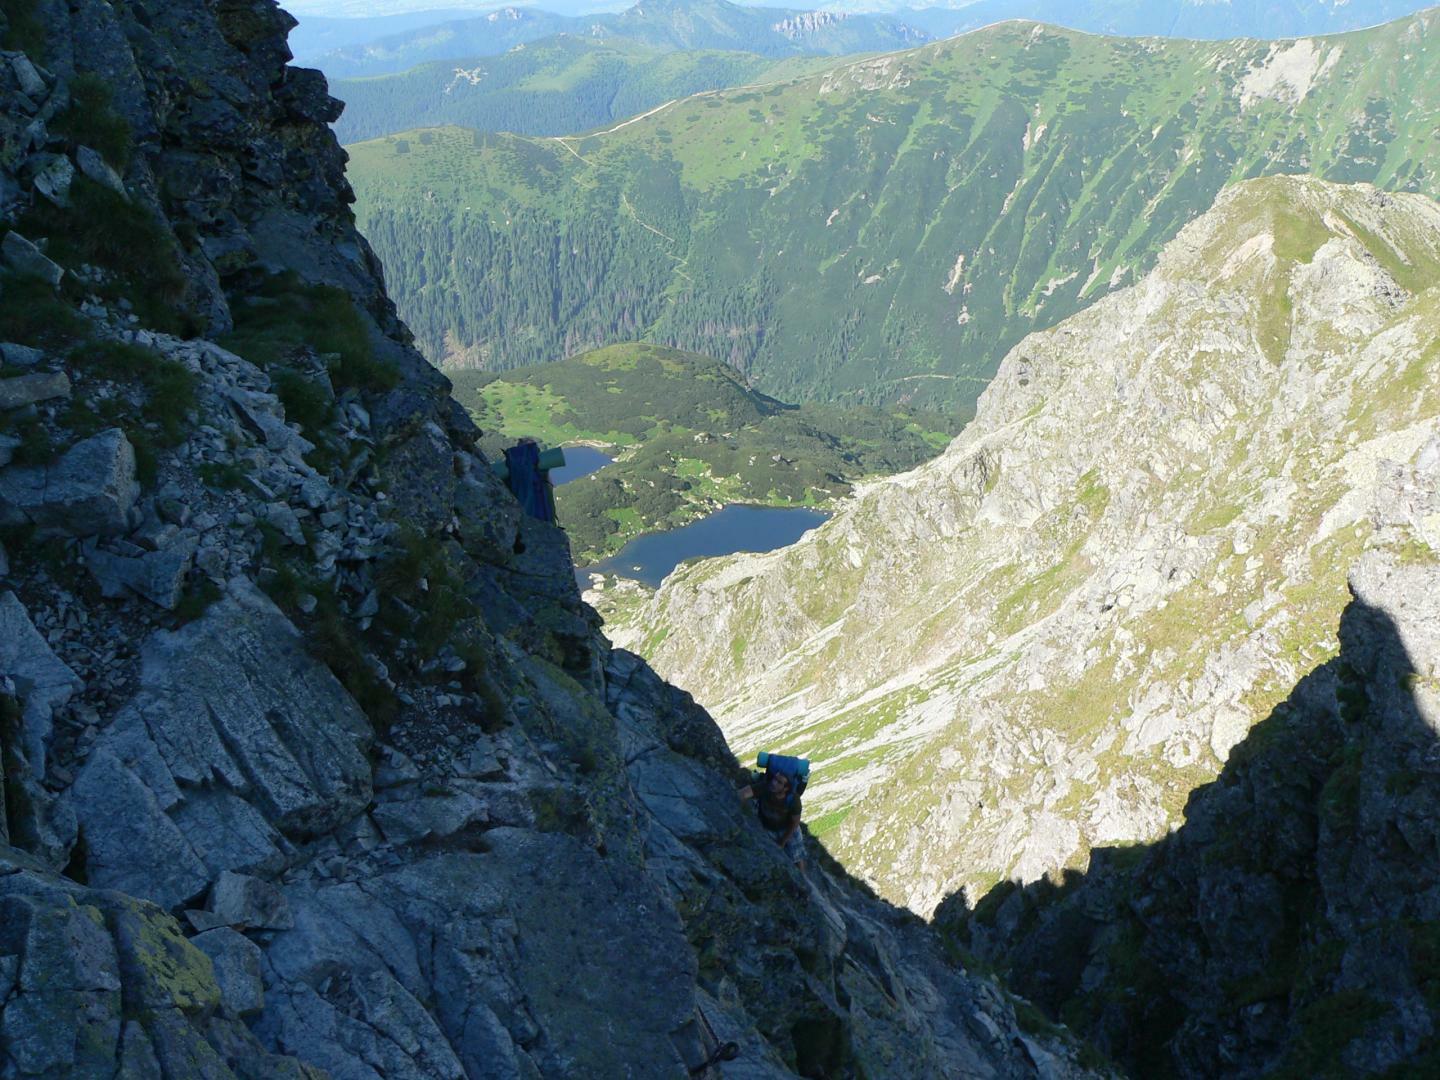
[91, 120]
[285, 315]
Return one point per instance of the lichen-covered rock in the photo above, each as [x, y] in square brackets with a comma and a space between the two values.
[92, 980]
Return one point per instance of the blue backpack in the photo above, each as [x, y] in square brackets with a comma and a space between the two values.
[529, 482]
[796, 768]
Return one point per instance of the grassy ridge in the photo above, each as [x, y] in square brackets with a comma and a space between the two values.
[886, 230]
[689, 436]
[551, 87]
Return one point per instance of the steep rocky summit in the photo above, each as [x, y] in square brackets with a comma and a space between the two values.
[1044, 640]
[314, 761]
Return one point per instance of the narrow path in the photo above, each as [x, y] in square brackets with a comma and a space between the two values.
[625, 201]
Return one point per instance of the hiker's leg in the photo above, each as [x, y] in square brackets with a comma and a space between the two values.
[795, 848]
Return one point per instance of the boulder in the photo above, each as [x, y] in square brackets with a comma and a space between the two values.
[96, 168]
[236, 960]
[25, 390]
[32, 84]
[15, 355]
[242, 900]
[88, 492]
[158, 576]
[53, 175]
[20, 255]
[42, 681]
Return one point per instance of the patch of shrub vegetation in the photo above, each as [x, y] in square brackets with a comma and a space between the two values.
[33, 313]
[27, 29]
[196, 599]
[103, 229]
[304, 400]
[1326, 1028]
[424, 599]
[91, 119]
[329, 635]
[168, 385]
[286, 314]
[228, 477]
[37, 445]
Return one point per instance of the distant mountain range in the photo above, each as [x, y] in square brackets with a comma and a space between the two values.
[1200, 19]
[667, 24]
[887, 229]
[554, 86]
[398, 39]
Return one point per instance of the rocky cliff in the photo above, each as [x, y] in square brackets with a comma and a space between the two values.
[1043, 641]
[314, 761]
[1290, 926]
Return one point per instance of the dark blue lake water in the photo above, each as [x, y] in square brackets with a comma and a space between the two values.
[737, 527]
[579, 461]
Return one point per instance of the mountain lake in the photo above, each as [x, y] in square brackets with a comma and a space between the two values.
[579, 461]
[736, 527]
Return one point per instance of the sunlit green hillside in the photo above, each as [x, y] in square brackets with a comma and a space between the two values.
[887, 229]
[551, 87]
[689, 436]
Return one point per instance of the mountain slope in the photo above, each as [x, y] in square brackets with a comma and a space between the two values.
[663, 24]
[312, 761]
[888, 229]
[551, 87]
[1043, 640]
[1288, 927]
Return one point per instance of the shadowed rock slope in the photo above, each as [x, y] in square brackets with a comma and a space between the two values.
[1290, 926]
[314, 762]
[1045, 639]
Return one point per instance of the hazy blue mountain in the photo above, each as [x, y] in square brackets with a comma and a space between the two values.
[667, 24]
[1205, 19]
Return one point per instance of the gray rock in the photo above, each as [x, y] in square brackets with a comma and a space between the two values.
[25, 390]
[19, 355]
[24, 257]
[42, 681]
[435, 816]
[4, 562]
[242, 900]
[237, 739]
[281, 517]
[8, 445]
[96, 168]
[263, 414]
[236, 960]
[88, 492]
[32, 85]
[53, 176]
[158, 576]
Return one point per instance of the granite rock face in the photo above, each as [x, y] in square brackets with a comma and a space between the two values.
[315, 763]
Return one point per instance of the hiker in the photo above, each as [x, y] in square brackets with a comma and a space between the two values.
[529, 479]
[778, 807]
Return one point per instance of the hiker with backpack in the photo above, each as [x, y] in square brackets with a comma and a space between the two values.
[775, 797]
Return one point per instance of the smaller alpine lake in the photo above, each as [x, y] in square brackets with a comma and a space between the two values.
[737, 527]
[579, 461]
